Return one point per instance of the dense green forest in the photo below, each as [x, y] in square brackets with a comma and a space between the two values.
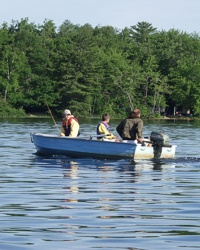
[94, 70]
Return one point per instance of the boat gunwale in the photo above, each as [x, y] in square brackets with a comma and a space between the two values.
[94, 140]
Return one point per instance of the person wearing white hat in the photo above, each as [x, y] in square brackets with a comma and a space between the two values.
[70, 125]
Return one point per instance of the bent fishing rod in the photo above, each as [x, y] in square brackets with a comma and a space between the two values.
[52, 116]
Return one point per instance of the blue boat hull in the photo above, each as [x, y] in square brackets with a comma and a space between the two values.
[81, 147]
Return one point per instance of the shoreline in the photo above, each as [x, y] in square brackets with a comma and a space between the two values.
[97, 117]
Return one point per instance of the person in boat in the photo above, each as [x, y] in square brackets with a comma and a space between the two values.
[131, 127]
[70, 125]
[104, 128]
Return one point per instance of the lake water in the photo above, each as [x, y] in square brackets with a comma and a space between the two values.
[58, 203]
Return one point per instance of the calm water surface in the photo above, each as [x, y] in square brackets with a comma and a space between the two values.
[59, 203]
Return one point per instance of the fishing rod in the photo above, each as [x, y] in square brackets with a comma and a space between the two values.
[52, 116]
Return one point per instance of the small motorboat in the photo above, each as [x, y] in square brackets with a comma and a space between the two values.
[47, 144]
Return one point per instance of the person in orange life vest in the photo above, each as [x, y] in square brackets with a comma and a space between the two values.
[104, 128]
[70, 125]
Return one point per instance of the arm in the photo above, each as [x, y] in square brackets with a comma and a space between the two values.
[139, 132]
[63, 130]
[74, 128]
[120, 128]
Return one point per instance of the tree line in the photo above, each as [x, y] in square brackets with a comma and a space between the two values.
[93, 70]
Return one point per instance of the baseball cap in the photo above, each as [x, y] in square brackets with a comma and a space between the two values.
[67, 112]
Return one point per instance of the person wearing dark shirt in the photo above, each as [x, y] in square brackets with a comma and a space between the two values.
[131, 127]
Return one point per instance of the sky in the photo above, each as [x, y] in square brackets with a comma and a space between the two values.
[162, 14]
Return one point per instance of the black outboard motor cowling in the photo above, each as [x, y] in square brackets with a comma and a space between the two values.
[158, 140]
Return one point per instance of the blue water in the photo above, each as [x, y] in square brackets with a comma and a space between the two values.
[59, 203]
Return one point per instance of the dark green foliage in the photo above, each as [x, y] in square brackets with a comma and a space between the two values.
[7, 110]
[96, 70]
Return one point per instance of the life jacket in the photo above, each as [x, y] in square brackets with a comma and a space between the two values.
[106, 126]
[67, 126]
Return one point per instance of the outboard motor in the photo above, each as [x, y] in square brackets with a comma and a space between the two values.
[158, 140]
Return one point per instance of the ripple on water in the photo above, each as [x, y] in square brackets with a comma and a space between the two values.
[58, 202]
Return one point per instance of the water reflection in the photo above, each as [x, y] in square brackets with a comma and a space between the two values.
[100, 165]
[72, 174]
[60, 202]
